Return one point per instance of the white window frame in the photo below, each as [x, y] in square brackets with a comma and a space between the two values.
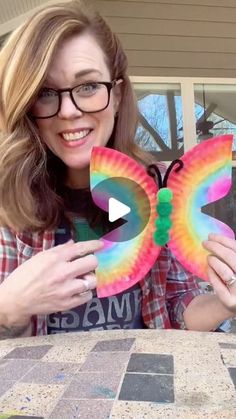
[187, 94]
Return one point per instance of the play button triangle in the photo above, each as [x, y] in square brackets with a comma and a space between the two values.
[117, 209]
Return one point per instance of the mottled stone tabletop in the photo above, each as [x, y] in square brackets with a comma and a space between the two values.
[127, 374]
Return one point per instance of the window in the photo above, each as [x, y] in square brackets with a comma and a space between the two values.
[160, 129]
[215, 110]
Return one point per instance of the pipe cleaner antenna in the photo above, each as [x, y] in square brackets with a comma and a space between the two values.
[164, 206]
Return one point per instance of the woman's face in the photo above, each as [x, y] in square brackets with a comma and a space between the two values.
[71, 134]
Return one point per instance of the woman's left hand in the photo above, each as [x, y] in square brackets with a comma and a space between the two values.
[222, 269]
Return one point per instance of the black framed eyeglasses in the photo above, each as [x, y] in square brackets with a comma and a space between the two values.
[87, 97]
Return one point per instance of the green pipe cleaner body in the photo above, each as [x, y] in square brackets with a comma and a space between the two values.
[164, 210]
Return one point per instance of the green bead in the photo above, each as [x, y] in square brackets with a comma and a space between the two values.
[163, 223]
[161, 239]
[164, 209]
[164, 195]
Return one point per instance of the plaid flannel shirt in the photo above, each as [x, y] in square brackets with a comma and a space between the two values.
[166, 290]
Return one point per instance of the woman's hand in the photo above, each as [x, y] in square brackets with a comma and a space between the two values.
[222, 269]
[54, 280]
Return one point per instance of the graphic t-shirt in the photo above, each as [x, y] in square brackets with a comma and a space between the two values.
[121, 311]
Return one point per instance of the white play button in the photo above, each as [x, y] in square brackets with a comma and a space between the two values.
[117, 209]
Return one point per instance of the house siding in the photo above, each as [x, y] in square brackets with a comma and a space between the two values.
[175, 38]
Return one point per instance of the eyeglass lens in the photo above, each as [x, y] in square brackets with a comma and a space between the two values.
[89, 97]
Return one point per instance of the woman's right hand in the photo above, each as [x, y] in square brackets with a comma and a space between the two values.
[54, 280]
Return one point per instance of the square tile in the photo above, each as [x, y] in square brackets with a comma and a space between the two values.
[232, 373]
[30, 399]
[29, 352]
[4, 351]
[51, 373]
[13, 370]
[228, 357]
[151, 363]
[84, 409]
[106, 361]
[70, 351]
[93, 386]
[148, 388]
[227, 345]
[205, 360]
[117, 345]
[5, 385]
[208, 390]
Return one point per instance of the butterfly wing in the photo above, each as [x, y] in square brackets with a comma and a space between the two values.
[205, 178]
[123, 261]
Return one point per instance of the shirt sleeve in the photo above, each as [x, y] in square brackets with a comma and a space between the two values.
[8, 253]
[181, 288]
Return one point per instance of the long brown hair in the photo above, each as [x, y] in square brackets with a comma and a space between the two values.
[30, 175]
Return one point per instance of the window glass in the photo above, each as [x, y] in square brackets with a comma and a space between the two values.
[215, 111]
[160, 127]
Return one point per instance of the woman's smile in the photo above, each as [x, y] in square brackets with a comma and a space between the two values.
[75, 138]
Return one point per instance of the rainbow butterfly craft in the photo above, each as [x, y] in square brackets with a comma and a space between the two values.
[203, 176]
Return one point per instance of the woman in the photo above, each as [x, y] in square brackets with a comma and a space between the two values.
[64, 89]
